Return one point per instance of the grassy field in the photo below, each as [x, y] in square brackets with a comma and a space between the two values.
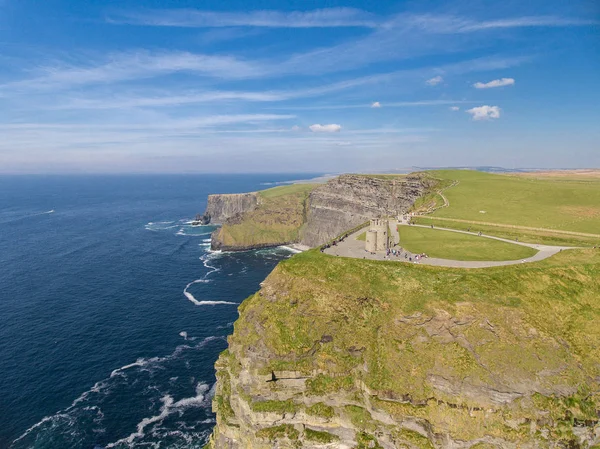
[551, 203]
[456, 246]
[395, 327]
[278, 219]
[543, 237]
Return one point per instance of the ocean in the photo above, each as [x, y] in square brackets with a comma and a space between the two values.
[113, 310]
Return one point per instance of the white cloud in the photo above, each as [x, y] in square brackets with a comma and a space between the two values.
[376, 104]
[495, 83]
[296, 128]
[454, 108]
[435, 80]
[484, 112]
[332, 128]
[318, 18]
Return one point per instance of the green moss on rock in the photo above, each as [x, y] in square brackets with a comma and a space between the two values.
[320, 436]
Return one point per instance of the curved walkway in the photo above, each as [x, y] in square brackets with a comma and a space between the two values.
[351, 247]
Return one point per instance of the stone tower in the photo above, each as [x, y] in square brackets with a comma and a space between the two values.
[377, 235]
[371, 241]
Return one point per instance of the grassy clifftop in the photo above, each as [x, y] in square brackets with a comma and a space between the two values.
[398, 353]
[278, 219]
[563, 210]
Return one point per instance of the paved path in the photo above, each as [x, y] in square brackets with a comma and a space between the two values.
[351, 247]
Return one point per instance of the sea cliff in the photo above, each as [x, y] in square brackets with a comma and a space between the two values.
[348, 353]
[221, 207]
[311, 214]
[350, 200]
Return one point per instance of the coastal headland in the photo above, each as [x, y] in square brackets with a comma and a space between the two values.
[343, 351]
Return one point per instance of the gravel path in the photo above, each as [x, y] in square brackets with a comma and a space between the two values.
[356, 249]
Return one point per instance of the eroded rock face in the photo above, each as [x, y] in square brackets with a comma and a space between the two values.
[350, 200]
[310, 366]
[224, 206]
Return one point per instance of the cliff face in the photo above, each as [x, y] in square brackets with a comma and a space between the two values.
[350, 200]
[276, 218]
[224, 206]
[346, 353]
[307, 213]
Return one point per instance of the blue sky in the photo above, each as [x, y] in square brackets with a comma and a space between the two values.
[270, 86]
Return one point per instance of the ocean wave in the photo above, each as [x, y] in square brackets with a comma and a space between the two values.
[170, 406]
[25, 216]
[72, 427]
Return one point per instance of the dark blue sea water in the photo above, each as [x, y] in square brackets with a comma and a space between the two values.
[101, 343]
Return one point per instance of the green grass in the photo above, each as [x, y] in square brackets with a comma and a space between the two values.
[278, 218]
[319, 436]
[527, 236]
[276, 432]
[456, 246]
[322, 410]
[527, 324]
[362, 237]
[563, 204]
[280, 407]
[291, 189]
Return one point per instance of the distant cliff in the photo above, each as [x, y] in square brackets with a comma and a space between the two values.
[349, 200]
[310, 214]
[223, 206]
[263, 219]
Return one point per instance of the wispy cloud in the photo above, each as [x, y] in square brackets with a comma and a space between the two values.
[332, 128]
[391, 104]
[319, 18]
[526, 22]
[495, 83]
[151, 100]
[435, 80]
[136, 65]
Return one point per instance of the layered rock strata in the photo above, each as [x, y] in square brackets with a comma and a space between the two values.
[350, 200]
[346, 353]
[221, 207]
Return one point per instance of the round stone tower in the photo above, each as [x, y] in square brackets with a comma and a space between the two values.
[377, 235]
[371, 241]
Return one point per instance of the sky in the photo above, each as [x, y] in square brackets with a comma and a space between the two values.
[184, 86]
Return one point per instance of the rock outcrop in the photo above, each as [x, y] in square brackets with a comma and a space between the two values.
[223, 206]
[347, 353]
[350, 200]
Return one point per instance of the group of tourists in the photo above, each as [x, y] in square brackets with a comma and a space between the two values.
[397, 253]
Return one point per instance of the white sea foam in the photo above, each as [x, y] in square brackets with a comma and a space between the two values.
[290, 249]
[184, 334]
[201, 399]
[192, 299]
[160, 225]
[44, 420]
[138, 362]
